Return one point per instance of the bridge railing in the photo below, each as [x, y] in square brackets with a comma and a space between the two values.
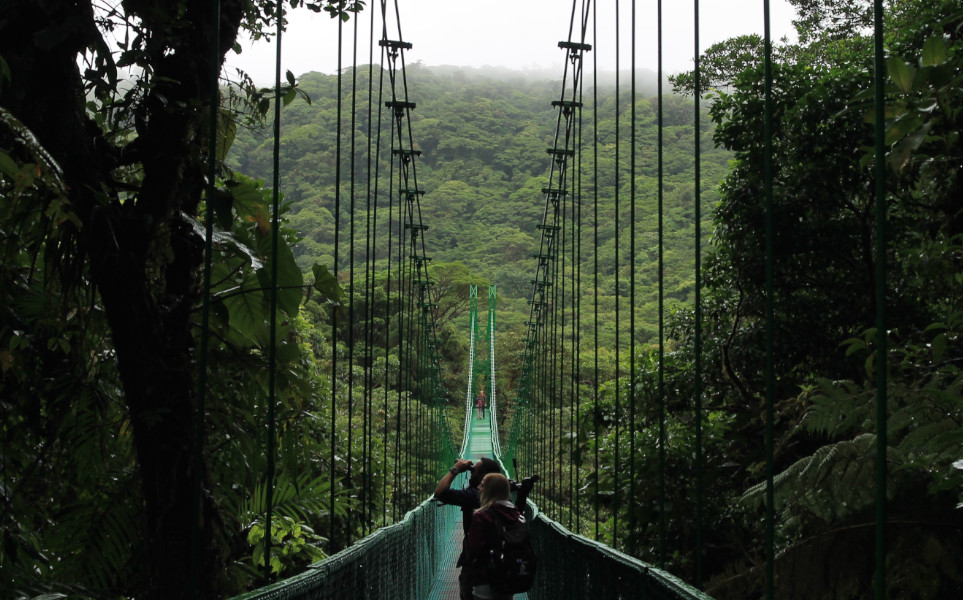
[398, 562]
[401, 561]
[574, 567]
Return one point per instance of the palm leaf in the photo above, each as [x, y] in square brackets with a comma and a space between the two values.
[304, 498]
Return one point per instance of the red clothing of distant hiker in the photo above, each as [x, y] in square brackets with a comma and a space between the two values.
[481, 403]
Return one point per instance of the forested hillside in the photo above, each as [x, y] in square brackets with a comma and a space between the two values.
[484, 136]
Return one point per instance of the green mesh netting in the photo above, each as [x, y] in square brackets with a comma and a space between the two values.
[399, 561]
[572, 566]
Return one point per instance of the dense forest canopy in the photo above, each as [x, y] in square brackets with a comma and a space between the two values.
[102, 184]
[484, 167]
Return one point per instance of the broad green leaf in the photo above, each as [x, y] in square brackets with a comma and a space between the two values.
[26, 176]
[290, 279]
[223, 207]
[854, 345]
[901, 127]
[934, 51]
[326, 283]
[7, 165]
[289, 96]
[220, 314]
[226, 130]
[288, 352]
[901, 73]
[939, 346]
[248, 315]
[904, 149]
[4, 70]
[224, 238]
[249, 202]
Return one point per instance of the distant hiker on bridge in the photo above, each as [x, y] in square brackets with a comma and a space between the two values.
[481, 403]
[467, 499]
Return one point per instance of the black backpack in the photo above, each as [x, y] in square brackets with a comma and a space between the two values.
[511, 568]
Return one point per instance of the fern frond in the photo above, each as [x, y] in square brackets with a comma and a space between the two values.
[834, 481]
[109, 525]
[839, 410]
[925, 439]
[901, 419]
[304, 498]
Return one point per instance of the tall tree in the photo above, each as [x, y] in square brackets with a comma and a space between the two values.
[133, 160]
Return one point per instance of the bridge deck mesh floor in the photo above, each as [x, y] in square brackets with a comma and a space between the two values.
[446, 582]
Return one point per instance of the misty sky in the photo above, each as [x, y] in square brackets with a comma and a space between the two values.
[519, 34]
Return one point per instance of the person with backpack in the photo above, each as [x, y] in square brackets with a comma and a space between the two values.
[498, 548]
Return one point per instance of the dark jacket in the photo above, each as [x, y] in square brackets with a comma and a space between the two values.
[483, 536]
[467, 499]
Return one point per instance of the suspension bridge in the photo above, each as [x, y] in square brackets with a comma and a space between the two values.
[414, 556]
[393, 428]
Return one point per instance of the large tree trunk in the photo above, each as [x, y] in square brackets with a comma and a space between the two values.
[143, 258]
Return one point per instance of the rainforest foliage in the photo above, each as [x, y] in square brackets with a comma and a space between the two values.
[103, 213]
[484, 137]
[825, 358]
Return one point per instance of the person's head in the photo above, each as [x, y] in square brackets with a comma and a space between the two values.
[483, 466]
[481, 392]
[493, 487]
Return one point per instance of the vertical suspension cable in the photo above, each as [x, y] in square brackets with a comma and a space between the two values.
[567, 248]
[410, 341]
[770, 301]
[272, 348]
[577, 296]
[349, 484]
[558, 344]
[632, 191]
[617, 238]
[697, 149]
[492, 298]
[595, 259]
[334, 312]
[198, 454]
[560, 270]
[545, 399]
[371, 213]
[879, 87]
[565, 266]
[470, 392]
[401, 308]
[661, 217]
[390, 247]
